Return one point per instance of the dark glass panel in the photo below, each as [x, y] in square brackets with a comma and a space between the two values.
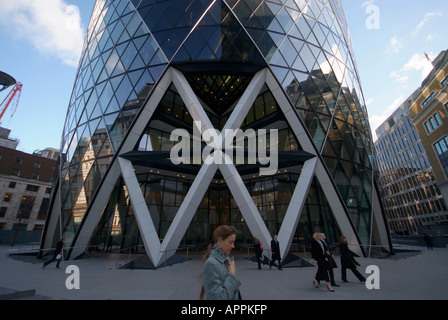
[92, 180]
[219, 36]
[317, 216]
[219, 92]
[243, 11]
[315, 128]
[265, 43]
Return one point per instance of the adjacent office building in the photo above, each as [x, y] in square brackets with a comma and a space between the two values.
[6, 140]
[280, 71]
[430, 117]
[25, 187]
[409, 189]
[411, 147]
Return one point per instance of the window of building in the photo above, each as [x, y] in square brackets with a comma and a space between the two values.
[3, 212]
[43, 210]
[437, 119]
[445, 81]
[32, 188]
[7, 197]
[37, 165]
[16, 172]
[441, 147]
[35, 176]
[38, 227]
[20, 227]
[429, 99]
[433, 123]
[12, 185]
[26, 206]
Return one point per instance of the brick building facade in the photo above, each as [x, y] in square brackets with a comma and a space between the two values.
[25, 189]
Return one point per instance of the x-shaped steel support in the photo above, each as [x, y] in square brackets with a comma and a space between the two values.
[159, 252]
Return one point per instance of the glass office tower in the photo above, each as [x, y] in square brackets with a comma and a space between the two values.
[150, 67]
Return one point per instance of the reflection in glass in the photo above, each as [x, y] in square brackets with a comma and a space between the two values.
[218, 46]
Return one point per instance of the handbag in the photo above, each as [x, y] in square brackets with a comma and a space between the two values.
[59, 257]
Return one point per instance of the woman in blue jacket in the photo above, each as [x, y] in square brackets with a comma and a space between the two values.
[219, 280]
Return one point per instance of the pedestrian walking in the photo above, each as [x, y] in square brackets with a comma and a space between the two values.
[57, 254]
[321, 260]
[258, 248]
[330, 256]
[428, 242]
[219, 281]
[348, 261]
[275, 248]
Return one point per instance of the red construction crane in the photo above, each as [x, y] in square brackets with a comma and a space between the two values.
[11, 100]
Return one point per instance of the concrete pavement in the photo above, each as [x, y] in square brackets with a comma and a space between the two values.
[406, 276]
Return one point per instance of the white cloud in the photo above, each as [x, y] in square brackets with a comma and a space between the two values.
[400, 78]
[417, 63]
[369, 102]
[426, 18]
[395, 45]
[52, 27]
[430, 37]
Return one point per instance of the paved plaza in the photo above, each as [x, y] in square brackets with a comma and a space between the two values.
[414, 275]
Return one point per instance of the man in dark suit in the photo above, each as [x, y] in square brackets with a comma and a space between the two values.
[275, 247]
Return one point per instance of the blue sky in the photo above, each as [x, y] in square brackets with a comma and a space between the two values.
[391, 60]
[42, 55]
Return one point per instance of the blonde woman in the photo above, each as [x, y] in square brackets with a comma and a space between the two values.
[322, 262]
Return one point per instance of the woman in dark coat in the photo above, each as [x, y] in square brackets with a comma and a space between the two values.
[348, 261]
[323, 264]
[258, 248]
[275, 248]
[57, 254]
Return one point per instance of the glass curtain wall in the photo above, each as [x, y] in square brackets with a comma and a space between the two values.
[128, 46]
